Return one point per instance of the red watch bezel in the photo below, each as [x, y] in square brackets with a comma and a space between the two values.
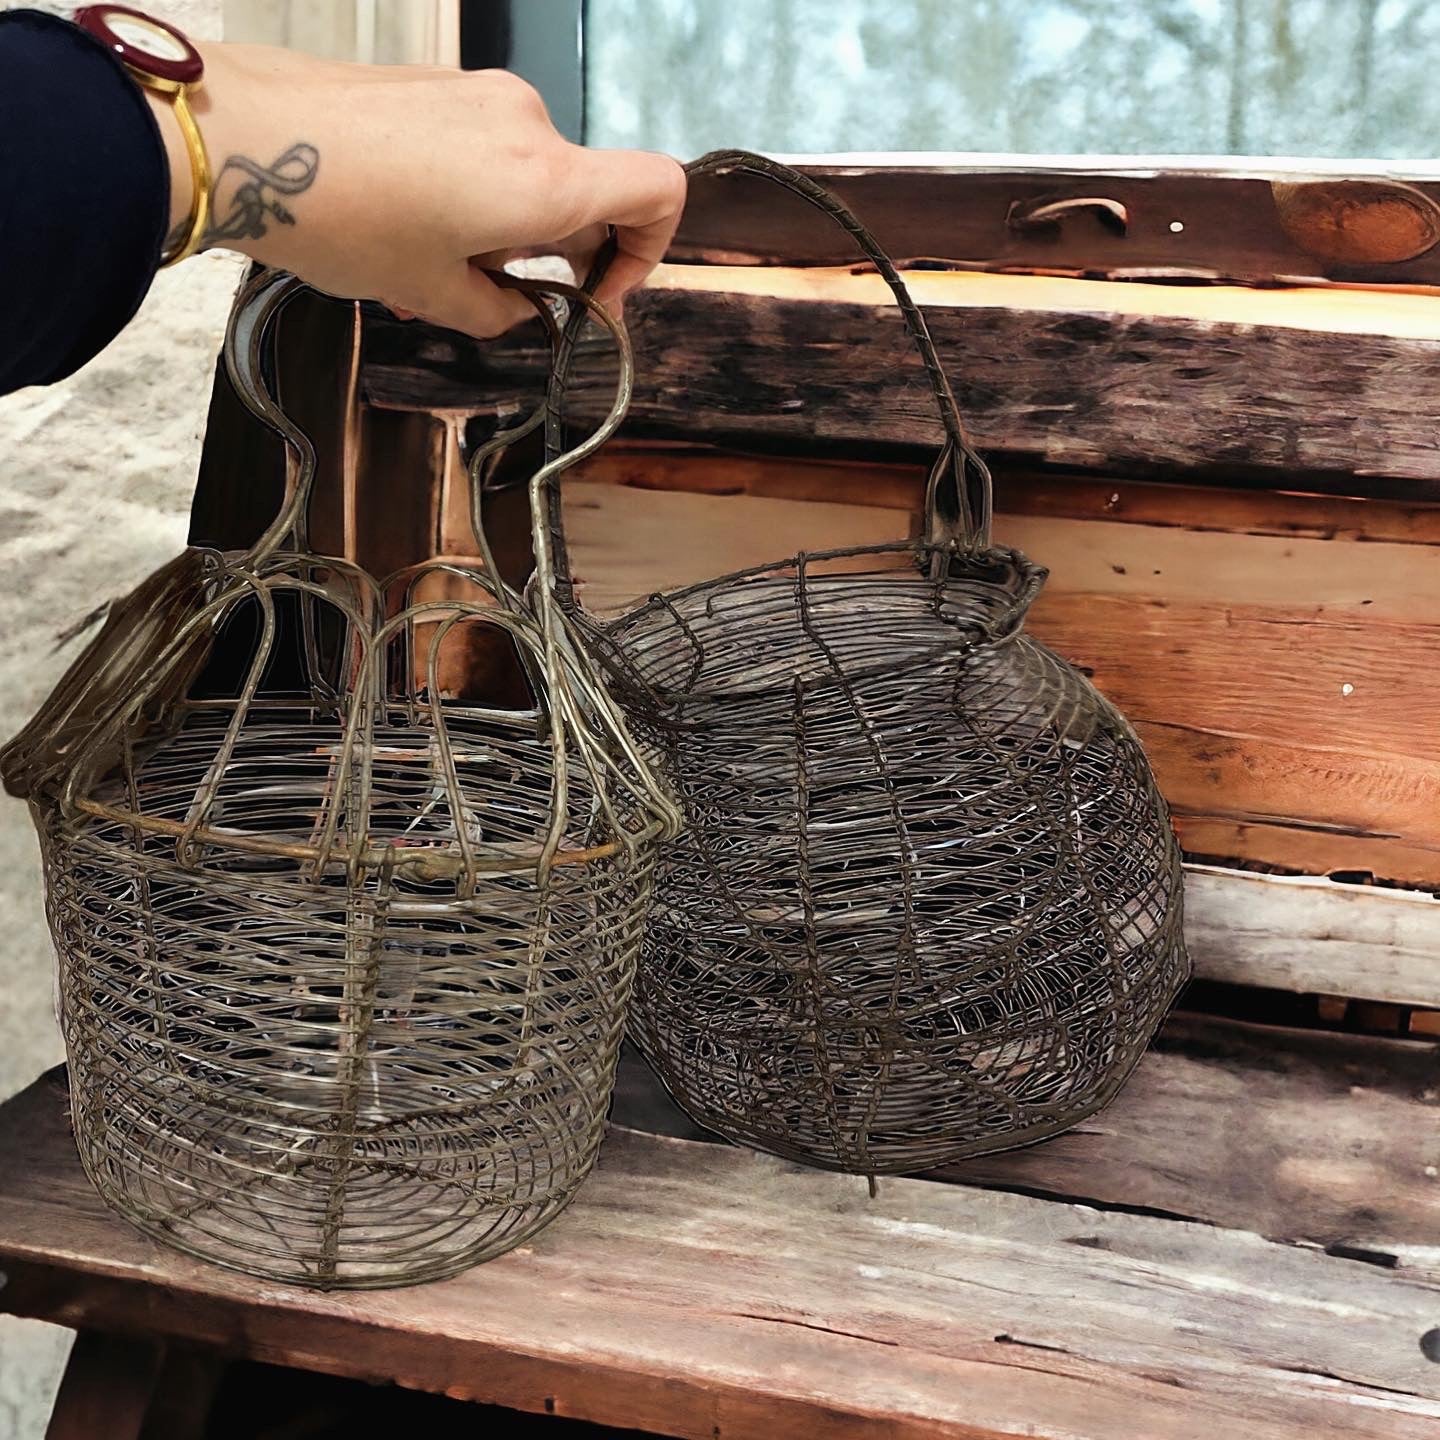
[187, 70]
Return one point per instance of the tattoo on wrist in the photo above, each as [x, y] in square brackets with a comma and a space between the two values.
[246, 195]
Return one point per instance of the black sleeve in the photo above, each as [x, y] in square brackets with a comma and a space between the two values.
[84, 198]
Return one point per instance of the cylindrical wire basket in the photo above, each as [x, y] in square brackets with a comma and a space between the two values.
[344, 964]
[928, 904]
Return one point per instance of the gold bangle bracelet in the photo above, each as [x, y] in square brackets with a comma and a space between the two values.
[199, 178]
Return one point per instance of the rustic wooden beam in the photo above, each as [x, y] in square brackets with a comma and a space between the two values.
[1308, 389]
[1181, 217]
[1313, 936]
[693, 1288]
[1072, 495]
[1279, 679]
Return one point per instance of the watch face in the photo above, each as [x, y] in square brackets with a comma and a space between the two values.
[144, 36]
[143, 43]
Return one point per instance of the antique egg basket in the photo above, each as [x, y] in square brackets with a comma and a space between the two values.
[344, 963]
[929, 901]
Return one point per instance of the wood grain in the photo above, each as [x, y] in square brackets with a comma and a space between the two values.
[1313, 936]
[1340, 1145]
[665, 465]
[956, 210]
[1231, 738]
[1330, 1139]
[1331, 388]
[1281, 681]
[1303, 851]
[695, 1290]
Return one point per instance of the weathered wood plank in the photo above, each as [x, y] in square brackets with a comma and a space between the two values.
[1255, 786]
[661, 465]
[1294, 746]
[1340, 1145]
[1330, 1139]
[1336, 386]
[625, 543]
[1281, 682]
[695, 1289]
[1303, 851]
[1181, 544]
[1320, 676]
[956, 209]
[1313, 936]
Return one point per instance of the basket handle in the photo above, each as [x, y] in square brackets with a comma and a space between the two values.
[958, 491]
[578, 707]
[252, 319]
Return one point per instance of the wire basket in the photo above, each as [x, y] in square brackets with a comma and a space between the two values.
[929, 901]
[344, 964]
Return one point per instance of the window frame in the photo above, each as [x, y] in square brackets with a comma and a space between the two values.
[1252, 220]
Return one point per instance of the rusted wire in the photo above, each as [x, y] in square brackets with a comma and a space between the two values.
[344, 962]
[929, 901]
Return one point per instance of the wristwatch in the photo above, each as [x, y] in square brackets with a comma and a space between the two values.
[161, 59]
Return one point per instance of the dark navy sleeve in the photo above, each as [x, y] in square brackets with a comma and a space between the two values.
[84, 198]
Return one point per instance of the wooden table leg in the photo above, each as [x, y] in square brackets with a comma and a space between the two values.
[107, 1388]
[126, 1389]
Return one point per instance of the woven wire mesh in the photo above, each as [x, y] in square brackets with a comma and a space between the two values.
[928, 903]
[929, 900]
[344, 963]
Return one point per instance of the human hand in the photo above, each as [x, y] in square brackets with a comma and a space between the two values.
[400, 183]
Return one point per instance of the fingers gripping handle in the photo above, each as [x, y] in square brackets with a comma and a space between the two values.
[958, 496]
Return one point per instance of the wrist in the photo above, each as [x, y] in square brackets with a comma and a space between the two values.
[258, 172]
[166, 68]
[250, 113]
[177, 158]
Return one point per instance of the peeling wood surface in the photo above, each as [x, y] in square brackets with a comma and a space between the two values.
[1231, 652]
[1080, 373]
[698, 1289]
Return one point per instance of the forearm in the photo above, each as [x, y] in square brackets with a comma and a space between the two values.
[405, 185]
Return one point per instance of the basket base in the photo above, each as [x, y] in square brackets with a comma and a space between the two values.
[391, 1205]
[860, 1114]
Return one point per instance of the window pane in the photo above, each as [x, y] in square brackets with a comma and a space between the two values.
[1334, 78]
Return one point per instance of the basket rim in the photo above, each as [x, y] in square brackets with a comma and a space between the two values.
[431, 863]
[612, 634]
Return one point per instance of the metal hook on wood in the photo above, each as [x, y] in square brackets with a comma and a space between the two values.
[1046, 213]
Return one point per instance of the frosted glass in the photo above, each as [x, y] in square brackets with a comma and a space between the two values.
[1332, 78]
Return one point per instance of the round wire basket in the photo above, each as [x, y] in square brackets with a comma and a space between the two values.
[344, 963]
[928, 904]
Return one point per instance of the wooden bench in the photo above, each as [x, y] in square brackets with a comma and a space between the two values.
[1242, 1245]
[1237, 492]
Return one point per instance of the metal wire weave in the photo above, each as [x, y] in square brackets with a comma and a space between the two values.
[344, 963]
[929, 901]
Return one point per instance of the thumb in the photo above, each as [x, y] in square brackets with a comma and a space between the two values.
[466, 300]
